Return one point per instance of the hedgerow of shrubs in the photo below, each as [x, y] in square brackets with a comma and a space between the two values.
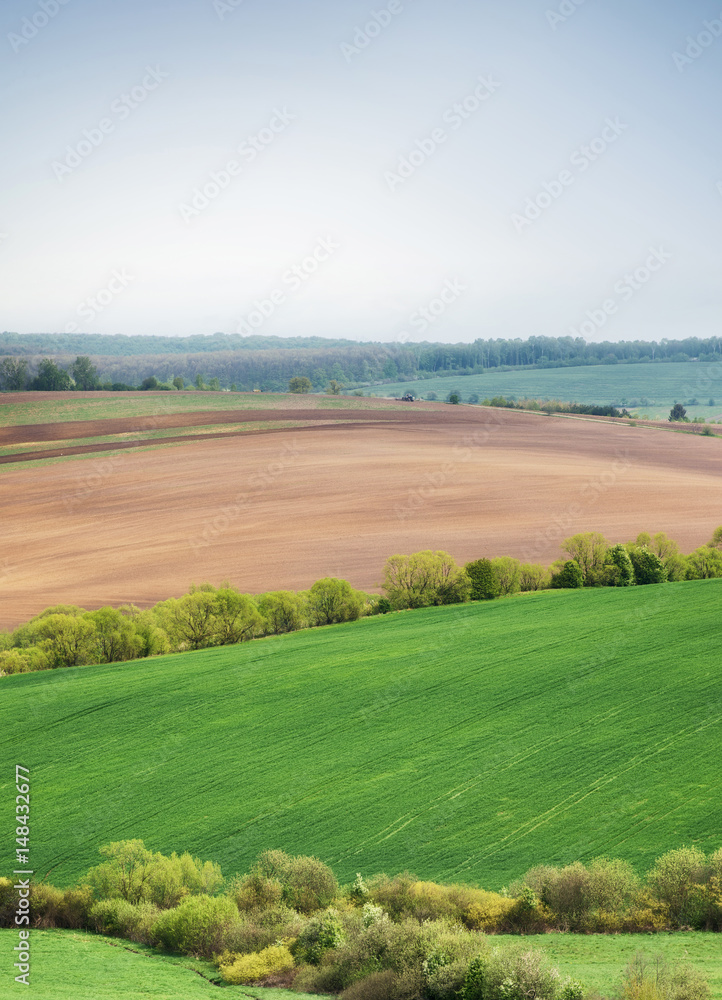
[287, 921]
[66, 635]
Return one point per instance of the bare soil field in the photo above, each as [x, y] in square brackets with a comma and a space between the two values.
[282, 508]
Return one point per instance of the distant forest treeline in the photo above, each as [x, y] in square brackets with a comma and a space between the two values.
[269, 362]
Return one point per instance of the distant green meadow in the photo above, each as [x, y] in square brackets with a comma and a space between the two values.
[461, 743]
[650, 389]
[64, 406]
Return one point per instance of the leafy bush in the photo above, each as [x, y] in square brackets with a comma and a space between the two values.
[533, 576]
[53, 907]
[250, 968]
[307, 883]
[22, 661]
[319, 935]
[117, 916]
[489, 912]
[377, 986]
[705, 563]
[373, 914]
[255, 891]
[506, 571]
[519, 973]
[618, 557]
[200, 925]
[589, 550]
[648, 567]
[425, 579]
[569, 576]
[283, 611]
[611, 885]
[655, 980]
[394, 895]
[672, 880]
[484, 584]
[331, 601]
[135, 874]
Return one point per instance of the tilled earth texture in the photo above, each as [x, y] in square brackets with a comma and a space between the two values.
[334, 492]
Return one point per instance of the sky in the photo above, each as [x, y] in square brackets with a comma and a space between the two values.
[406, 171]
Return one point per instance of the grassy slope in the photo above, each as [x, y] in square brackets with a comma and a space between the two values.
[467, 742]
[598, 960]
[69, 965]
[661, 384]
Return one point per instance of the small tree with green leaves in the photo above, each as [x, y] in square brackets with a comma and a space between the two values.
[189, 621]
[115, 639]
[618, 557]
[237, 617]
[533, 576]
[13, 373]
[85, 374]
[668, 551]
[484, 583]
[648, 567]
[507, 572]
[331, 600]
[673, 880]
[424, 579]
[66, 640]
[282, 611]
[51, 378]
[677, 413]
[588, 549]
[568, 577]
[705, 563]
[300, 384]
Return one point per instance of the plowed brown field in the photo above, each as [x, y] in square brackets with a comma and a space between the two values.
[283, 508]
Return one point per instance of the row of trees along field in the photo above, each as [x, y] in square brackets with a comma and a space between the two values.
[269, 362]
[66, 635]
[384, 938]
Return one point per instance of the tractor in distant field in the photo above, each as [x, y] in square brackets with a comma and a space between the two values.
[408, 397]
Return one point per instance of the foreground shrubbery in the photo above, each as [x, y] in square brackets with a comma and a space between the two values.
[66, 636]
[287, 922]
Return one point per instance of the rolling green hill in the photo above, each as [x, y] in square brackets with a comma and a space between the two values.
[466, 742]
[628, 385]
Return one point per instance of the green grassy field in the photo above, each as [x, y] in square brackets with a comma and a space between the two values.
[66, 406]
[660, 384]
[598, 960]
[69, 965]
[467, 742]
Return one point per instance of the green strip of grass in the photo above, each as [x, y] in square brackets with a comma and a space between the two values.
[598, 960]
[66, 406]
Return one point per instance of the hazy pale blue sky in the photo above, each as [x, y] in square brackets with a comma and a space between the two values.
[329, 167]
